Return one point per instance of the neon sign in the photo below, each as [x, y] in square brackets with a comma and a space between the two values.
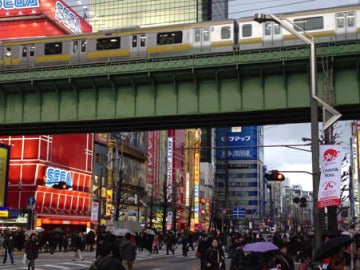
[55, 175]
[12, 4]
[67, 17]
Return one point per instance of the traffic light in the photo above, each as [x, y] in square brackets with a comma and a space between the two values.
[274, 176]
[60, 185]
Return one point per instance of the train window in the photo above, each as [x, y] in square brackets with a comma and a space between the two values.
[75, 46]
[53, 48]
[225, 32]
[340, 20]
[32, 50]
[169, 38]
[267, 29]
[206, 34]
[134, 41]
[277, 29]
[8, 52]
[142, 40]
[350, 19]
[24, 52]
[246, 30]
[111, 43]
[197, 35]
[306, 24]
[83, 46]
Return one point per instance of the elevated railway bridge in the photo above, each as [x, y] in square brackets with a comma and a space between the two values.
[238, 88]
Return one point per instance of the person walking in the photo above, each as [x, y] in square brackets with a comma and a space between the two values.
[128, 252]
[170, 240]
[284, 259]
[215, 257]
[202, 250]
[78, 244]
[8, 246]
[32, 250]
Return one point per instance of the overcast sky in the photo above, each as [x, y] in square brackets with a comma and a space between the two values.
[247, 8]
[287, 159]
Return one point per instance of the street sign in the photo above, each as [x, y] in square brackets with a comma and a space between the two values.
[30, 201]
[239, 212]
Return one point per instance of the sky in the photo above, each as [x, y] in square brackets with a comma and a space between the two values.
[247, 8]
[284, 158]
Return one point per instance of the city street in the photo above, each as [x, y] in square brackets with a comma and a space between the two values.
[144, 261]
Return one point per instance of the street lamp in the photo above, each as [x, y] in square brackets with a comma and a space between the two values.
[260, 18]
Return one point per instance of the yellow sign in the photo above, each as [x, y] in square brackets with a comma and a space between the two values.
[109, 194]
[4, 213]
[4, 162]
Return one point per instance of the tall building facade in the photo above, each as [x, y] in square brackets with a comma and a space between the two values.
[240, 172]
[105, 14]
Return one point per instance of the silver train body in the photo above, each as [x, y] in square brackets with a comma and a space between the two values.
[326, 25]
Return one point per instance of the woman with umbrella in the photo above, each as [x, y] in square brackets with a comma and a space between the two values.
[340, 260]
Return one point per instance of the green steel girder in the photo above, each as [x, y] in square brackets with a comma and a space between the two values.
[247, 88]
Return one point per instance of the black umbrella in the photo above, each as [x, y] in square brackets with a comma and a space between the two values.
[328, 248]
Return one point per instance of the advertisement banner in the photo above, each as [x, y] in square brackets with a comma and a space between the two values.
[94, 211]
[330, 178]
[4, 172]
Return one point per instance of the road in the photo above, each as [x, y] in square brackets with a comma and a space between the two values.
[144, 261]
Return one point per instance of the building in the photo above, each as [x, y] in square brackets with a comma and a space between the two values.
[239, 175]
[139, 13]
[50, 175]
[20, 19]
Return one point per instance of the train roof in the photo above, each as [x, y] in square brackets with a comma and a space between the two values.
[307, 12]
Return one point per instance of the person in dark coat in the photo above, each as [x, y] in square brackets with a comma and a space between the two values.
[108, 260]
[128, 252]
[284, 259]
[215, 257]
[32, 250]
[202, 249]
[170, 240]
[8, 246]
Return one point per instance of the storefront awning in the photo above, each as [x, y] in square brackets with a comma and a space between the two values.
[62, 219]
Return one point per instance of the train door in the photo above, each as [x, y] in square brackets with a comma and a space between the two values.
[272, 34]
[78, 51]
[27, 54]
[201, 39]
[138, 46]
[345, 25]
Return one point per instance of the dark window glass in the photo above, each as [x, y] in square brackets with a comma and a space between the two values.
[169, 38]
[24, 52]
[32, 50]
[197, 37]
[306, 24]
[53, 48]
[111, 43]
[134, 41]
[246, 30]
[225, 32]
[143, 41]
[83, 46]
[75, 46]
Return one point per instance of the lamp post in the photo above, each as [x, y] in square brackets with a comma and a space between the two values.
[260, 18]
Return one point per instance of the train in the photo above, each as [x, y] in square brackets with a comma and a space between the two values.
[324, 25]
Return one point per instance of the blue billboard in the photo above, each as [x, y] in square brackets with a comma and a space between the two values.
[239, 142]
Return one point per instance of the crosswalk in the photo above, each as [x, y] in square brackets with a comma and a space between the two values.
[64, 260]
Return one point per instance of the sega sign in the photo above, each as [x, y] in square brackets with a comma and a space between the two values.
[12, 4]
[68, 18]
[56, 175]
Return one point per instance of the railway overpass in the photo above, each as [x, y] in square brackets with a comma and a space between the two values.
[240, 88]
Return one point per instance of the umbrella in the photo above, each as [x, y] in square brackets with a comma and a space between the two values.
[328, 248]
[120, 232]
[58, 230]
[260, 247]
[30, 232]
[149, 231]
[133, 226]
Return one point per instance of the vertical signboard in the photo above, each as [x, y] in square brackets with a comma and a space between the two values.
[4, 172]
[169, 174]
